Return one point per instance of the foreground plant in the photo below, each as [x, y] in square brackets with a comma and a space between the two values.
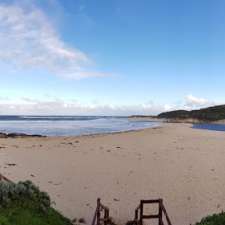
[216, 219]
[24, 204]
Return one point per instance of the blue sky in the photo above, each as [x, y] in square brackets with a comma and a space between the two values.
[110, 57]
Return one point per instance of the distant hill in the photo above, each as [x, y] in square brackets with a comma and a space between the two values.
[206, 114]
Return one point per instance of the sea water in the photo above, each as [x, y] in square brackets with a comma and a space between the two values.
[71, 125]
[210, 126]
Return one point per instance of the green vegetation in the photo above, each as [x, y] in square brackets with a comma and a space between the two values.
[216, 219]
[24, 204]
[208, 114]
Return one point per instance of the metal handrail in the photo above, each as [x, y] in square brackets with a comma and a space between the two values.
[139, 215]
[97, 216]
[166, 214]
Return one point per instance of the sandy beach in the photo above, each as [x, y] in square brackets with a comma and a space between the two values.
[184, 166]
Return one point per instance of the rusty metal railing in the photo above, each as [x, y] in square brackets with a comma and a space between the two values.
[162, 213]
[98, 218]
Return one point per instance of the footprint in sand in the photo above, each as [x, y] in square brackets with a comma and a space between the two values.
[130, 172]
[10, 164]
[56, 184]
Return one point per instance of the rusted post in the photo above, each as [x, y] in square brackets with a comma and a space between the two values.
[166, 215]
[98, 213]
[160, 211]
[106, 216]
[141, 213]
[136, 215]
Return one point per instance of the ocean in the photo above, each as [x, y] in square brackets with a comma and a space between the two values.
[210, 126]
[71, 125]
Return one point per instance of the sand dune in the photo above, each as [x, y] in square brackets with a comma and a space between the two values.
[182, 165]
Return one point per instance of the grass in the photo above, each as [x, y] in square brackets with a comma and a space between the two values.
[28, 213]
[24, 204]
[216, 219]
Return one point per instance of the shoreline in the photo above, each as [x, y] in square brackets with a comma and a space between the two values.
[157, 122]
[160, 125]
[24, 135]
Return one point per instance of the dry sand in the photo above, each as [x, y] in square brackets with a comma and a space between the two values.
[184, 166]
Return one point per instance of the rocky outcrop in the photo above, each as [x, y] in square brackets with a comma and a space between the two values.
[18, 135]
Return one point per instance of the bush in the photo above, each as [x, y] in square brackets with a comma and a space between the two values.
[216, 219]
[10, 192]
[24, 204]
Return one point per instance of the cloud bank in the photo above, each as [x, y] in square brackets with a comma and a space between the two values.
[57, 106]
[27, 106]
[193, 102]
[29, 40]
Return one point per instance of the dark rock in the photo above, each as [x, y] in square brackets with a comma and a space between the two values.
[3, 135]
[74, 220]
[82, 220]
[15, 135]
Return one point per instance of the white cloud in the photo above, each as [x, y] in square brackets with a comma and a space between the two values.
[58, 106]
[28, 39]
[196, 102]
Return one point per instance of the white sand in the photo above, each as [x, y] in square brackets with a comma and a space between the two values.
[184, 166]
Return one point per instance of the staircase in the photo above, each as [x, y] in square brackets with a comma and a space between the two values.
[161, 216]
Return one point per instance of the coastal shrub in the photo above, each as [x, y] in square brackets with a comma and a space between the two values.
[207, 114]
[216, 219]
[24, 204]
[10, 192]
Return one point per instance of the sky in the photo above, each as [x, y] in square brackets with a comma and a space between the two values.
[114, 57]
